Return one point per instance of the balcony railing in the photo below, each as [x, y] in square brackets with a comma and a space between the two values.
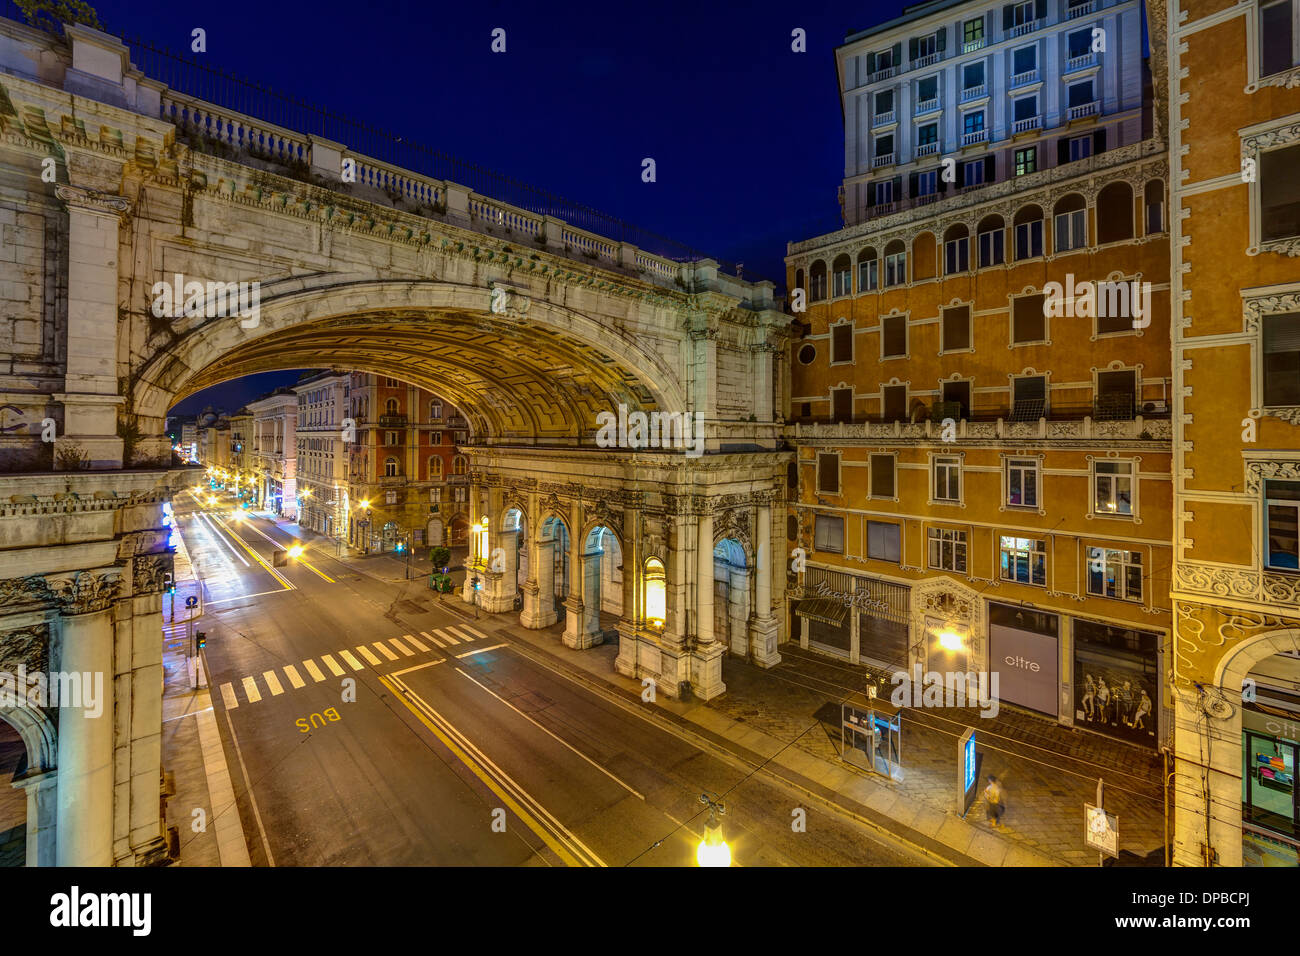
[1024, 125]
[886, 160]
[971, 46]
[1087, 109]
[970, 139]
[927, 106]
[1045, 429]
[392, 420]
[923, 61]
[884, 74]
[1077, 10]
[974, 92]
[1024, 79]
[883, 119]
[1022, 29]
[925, 149]
[1081, 62]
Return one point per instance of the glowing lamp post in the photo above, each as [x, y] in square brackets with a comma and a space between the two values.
[713, 849]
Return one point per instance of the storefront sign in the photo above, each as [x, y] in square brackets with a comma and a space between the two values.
[1101, 830]
[1026, 663]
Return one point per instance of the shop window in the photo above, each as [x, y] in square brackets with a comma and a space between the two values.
[883, 541]
[882, 476]
[1022, 482]
[946, 471]
[828, 534]
[1282, 529]
[1115, 573]
[1113, 487]
[1024, 560]
[1116, 683]
[828, 474]
[947, 550]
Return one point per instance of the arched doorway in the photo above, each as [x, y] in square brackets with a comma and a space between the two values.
[434, 532]
[1270, 754]
[513, 543]
[731, 590]
[553, 564]
[459, 529]
[602, 583]
[13, 802]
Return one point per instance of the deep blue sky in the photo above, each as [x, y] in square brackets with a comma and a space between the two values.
[746, 134]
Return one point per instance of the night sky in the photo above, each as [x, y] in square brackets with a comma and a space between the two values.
[746, 134]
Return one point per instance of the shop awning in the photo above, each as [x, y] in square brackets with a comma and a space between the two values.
[826, 610]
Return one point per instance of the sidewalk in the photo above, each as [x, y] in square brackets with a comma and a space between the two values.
[789, 717]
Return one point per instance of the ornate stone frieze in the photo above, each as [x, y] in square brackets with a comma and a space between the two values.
[1205, 632]
[15, 592]
[1254, 308]
[86, 591]
[1243, 584]
[1259, 470]
[93, 199]
[149, 573]
[1287, 80]
[27, 646]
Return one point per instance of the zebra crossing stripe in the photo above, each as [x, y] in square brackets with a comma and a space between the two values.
[406, 651]
[351, 661]
[429, 637]
[251, 691]
[416, 642]
[365, 652]
[273, 682]
[383, 649]
[314, 671]
[479, 634]
[333, 665]
[461, 634]
[228, 696]
[291, 672]
[446, 634]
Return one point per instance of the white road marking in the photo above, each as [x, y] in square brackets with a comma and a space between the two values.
[333, 665]
[406, 651]
[314, 671]
[383, 649]
[365, 652]
[444, 633]
[273, 682]
[429, 637]
[251, 691]
[351, 661]
[479, 634]
[468, 639]
[441, 660]
[292, 673]
[416, 642]
[481, 650]
[228, 695]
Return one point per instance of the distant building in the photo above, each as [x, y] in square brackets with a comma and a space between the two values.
[275, 451]
[322, 440]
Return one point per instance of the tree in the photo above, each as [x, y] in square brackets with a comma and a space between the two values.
[439, 557]
[45, 14]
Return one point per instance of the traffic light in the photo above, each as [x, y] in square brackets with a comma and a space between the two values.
[169, 583]
[201, 639]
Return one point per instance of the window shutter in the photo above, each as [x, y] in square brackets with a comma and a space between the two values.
[941, 39]
[1040, 9]
[1281, 333]
[911, 49]
[990, 169]
[898, 186]
[1008, 17]
[940, 181]
[1062, 151]
[898, 53]
[871, 63]
[911, 184]
[988, 24]
[961, 175]
[1099, 141]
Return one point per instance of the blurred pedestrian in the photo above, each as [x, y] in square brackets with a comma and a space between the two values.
[994, 802]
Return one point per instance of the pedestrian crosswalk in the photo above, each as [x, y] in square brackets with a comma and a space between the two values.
[249, 690]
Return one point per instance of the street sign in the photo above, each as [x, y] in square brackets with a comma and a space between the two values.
[968, 771]
[192, 601]
[1101, 830]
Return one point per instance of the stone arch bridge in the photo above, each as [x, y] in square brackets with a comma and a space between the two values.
[111, 184]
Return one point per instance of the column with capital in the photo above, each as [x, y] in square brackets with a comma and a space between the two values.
[90, 397]
[576, 631]
[539, 589]
[473, 560]
[765, 628]
[706, 658]
[633, 616]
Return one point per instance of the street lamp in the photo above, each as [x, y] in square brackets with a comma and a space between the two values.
[713, 849]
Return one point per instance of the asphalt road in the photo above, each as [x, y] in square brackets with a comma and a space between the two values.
[365, 725]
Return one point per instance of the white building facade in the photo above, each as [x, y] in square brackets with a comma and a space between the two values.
[275, 451]
[322, 453]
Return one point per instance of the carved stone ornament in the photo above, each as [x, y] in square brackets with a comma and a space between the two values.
[1287, 80]
[150, 573]
[1257, 471]
[29, 590]
[87, 591]
[1254, 308]
[92, 199]
[1241, 583]
[27, 646]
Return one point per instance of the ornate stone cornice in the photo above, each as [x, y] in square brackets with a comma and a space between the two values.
[27, 646]
[15, 592]
[85, 591]
[1255, 307]
[93, 199]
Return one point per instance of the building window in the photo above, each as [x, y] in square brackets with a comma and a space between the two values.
[882, 476]
[1025, 108]
[1024, 60]
[390, 383]
[927, 91]
[972, 76]
[883, 541]
[884, 102]
[1022, 482]
[1277, 36]
[956, 255]
[842, 404]
[459, 465]
[990, 243]
[893, 336]
[1113, 487]
[927, 184]
[828, 474]
[656, 593]
[390, 438]
[1024, 560]
[1078, 44]
[955, 329]
[435, 438]
[956, 396]
[947, 550]
[1022, 13]
[884, 145]
[435, 466]
[1029, 239]
[842, 276]
[817, 283]
[882, 193]
[896, 266]
[460, 494]
[435, 410]
[973, 122]
[390, 467]
[894, 402]
[828, 534]
[1071, 230]
[868, 274]
[1115, 574]
[1116, 395]
[1026, 160]
[972, 31]
[1279, 193]
[947, 478]
[1028, 398]
[1028, 320]
[1281, 359]
[1155, 203]
[841, 343]
[1080, 147]
[1282, 529]
[1079, 94]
